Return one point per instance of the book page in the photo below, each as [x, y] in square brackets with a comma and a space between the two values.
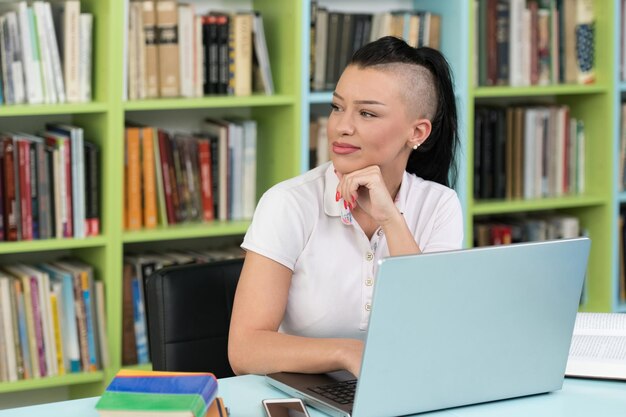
[598, 348]
[601, 324]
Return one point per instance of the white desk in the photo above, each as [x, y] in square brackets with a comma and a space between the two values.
[243, 395]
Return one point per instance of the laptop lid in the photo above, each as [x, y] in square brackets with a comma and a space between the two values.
[462, 327]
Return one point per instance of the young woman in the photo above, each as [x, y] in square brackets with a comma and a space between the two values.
[303, 299]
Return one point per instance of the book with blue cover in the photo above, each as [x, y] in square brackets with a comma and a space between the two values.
[141, 393]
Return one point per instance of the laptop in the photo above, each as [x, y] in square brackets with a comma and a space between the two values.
[455, 328]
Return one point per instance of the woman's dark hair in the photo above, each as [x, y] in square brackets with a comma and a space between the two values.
[435, 159]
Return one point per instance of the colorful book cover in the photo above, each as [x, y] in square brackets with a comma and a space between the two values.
[164, 392]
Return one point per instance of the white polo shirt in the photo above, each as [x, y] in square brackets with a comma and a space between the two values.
[297, 223]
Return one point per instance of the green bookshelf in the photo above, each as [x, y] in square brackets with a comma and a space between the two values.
[103, 122]
[593, 104]
[619, 94]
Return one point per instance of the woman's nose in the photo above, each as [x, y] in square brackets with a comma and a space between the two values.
[345, 125]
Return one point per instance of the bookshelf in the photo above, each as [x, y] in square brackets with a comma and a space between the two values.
[596, 104]
[619, 93]
[103, 121]
[283, 147]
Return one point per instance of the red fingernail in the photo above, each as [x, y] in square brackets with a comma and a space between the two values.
[345, 205]
[350, 206]
[353, 200]
[337, 196]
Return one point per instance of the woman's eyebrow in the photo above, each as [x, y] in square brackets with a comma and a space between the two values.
[360, 101]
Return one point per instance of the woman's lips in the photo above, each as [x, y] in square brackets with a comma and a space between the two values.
[344, 148]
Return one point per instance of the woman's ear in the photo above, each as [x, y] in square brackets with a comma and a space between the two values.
[419, 133]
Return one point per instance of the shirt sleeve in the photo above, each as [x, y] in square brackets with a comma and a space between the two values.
[447, 233]
[278, 228]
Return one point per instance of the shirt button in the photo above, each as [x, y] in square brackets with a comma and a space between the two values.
[369, 256]
[380, 232]
[368, 307]
[369, 282]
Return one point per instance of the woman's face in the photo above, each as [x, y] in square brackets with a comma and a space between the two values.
[369, 122]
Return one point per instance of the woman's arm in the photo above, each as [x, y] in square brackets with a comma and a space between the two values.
[255, 345]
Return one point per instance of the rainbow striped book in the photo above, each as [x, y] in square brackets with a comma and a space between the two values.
[171, 394]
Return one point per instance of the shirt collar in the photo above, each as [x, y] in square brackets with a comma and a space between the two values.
[331, 207]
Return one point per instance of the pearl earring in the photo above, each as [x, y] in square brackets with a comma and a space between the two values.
[415, 147]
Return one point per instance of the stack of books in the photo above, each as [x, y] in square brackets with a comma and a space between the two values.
[181, 394]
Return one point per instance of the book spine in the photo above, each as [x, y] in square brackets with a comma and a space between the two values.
[87, 299]
[129, 346]
[58, 339]
[55, 60]
[71, 50]
[167, 181]
[25, 193]
[86, 55]
[33, 167]
[149, 186]
[151, 46]
[10, 208]
[223, 23]
[38, 326]
[33, 353]
[167, 33]
[139, 323]
[14, 285]
[81, 322]
[133, 180]
[204, 157]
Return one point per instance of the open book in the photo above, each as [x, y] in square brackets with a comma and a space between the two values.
[598, 347]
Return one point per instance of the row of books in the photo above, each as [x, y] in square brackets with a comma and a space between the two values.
[335, 36]
[534, 42]
[523, 228]
[528, 152]
[172, 51]
[52, 320]
[137, 268]
[46, 53]
[181, 177]
[49, 185]
[318, 141]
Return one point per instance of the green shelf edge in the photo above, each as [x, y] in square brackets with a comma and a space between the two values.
[549, 90]
[141, 367]
[210, 102]
[50, 109]
[187, 231]
[51, 244]
[514, 206]
[52, 382]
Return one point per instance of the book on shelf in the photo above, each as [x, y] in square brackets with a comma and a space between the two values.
[585, 41]
[498, 230]
[48, 320]
[536, 42]
[167, 33]
[335, 36]
[527, 152]
[137, 393]
[598, 348]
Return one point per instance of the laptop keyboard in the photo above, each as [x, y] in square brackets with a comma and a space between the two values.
[341, 392]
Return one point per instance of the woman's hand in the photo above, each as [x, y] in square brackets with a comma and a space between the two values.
[352, 354]
[367, 188]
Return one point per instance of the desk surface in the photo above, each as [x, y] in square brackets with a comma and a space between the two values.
[243, 395]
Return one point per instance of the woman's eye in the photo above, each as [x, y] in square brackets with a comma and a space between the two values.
[334, 107]
[367, 114]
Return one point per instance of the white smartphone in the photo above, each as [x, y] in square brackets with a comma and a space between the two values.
[285, 407]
